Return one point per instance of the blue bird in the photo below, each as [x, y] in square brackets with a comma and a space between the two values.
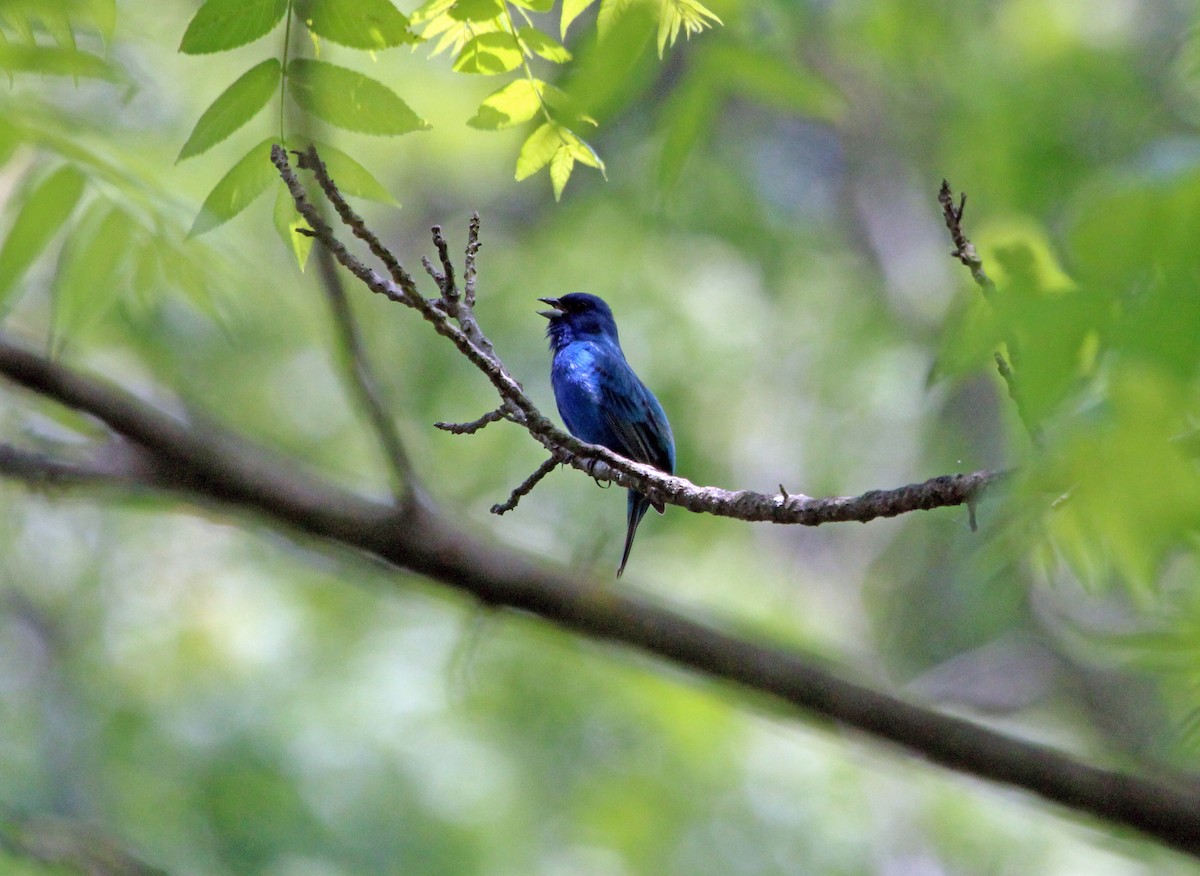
[599, 397]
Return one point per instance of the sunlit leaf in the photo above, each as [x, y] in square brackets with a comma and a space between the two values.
[572, 9]
[360, 24]
[559, 147]
[477, 10]
[238, 104]
[489, 54]
[245, 181]
[219, 25]
[40, 217]
[561, 166]
[543, 46]
[538, 149]
[613, 11]
[514, 104]
[430, 10]
[534, 5]
[689, 16]
[350, 100]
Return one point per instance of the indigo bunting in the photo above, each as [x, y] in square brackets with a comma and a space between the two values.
[599, 397]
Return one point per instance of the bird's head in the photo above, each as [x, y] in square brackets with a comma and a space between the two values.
[578, 316]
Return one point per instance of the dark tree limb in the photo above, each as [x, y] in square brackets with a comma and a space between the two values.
[207, 465]
[65, 843]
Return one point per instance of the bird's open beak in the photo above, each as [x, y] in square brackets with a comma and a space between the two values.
[555, 308]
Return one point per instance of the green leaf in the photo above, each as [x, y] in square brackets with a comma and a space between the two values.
[477, 10]
[44, 211]
[238, 104]
[612, 11]
[54, 61]
[570, 149]
[220, 25]
[351, 177]
[687, 15]
[572, 9]
[559, 147]
[287, 223]
[535, 5]
[538, 149]
[514, 104]
[350, 100]
[489, 54]
[430, 10]
[247, 180]
[561, 166]
[93, 268]
[543, 45]
[360, 24]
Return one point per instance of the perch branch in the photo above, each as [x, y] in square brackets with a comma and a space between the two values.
[454, 319]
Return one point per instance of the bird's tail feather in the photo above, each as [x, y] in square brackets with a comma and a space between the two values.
[637, 510]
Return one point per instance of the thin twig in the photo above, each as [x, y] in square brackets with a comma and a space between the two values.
[449, 289]
[475, 425]
[963, 250]
[310, 160]
[438, 276]
[527, 485]
[469, 271]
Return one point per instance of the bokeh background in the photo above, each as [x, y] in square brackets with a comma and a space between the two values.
[218, 698]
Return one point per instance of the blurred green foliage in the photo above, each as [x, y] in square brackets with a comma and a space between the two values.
[218, 699]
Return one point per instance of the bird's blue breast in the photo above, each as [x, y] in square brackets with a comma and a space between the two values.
[579, 368]
[603, 402]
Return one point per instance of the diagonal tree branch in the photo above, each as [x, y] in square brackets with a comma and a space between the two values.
[452, 317]
[207, 465]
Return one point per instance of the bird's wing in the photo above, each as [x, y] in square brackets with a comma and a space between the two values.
[636, 420]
